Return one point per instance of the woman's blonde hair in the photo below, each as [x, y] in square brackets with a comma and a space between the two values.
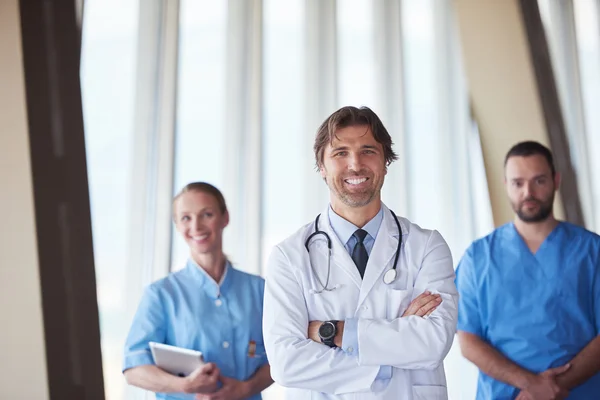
[204, 188]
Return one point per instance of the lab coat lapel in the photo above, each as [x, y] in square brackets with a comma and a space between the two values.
[339, 255]
[382, 254]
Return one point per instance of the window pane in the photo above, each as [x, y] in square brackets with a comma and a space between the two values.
[356, 54]
[199, 144]
[108, 86]
[587, 24]
[284, 146]
[421, 113]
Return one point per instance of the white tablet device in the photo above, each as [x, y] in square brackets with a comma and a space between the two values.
[176, 360]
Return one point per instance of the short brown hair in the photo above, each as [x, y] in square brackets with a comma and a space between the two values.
[530, 148]
[204, 188]
[353, 116]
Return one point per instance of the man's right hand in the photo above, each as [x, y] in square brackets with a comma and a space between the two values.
[423, 305]
[544, 386]
[203, 380]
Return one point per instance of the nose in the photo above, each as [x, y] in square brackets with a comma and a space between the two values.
[197, 224]
[354, 162]
[528, 189]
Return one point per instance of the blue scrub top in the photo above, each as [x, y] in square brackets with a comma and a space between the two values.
[538, 310]
[189, 309]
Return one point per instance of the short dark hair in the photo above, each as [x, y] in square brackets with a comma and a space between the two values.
[530, 148]
[353, 116]
[207, 188]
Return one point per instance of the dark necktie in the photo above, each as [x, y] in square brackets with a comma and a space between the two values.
[359, 253]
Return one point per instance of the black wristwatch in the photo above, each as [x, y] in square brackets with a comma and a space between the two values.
[327, 332]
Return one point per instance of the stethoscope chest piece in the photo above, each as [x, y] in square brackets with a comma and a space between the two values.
[389, 276]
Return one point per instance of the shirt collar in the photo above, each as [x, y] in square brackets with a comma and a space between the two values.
[208, 284]
[511, 232]
[345, 229]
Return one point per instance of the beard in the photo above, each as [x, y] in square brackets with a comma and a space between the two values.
[353, 198]
[543, 211]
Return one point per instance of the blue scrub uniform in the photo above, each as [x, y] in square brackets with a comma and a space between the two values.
[189, 309]
[538, 310]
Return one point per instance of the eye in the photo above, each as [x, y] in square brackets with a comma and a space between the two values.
[208, 214]
[341, 154]
[540, 181]
[368, 151]
[517, 184]
[185, 218]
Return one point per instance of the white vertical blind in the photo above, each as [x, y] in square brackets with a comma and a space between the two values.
[356, 54]
[587, 25]
[320, 93]
[200, 124]
[149, 241]
[559, 20]
[286, 154]
[389, 95]
[243, 115]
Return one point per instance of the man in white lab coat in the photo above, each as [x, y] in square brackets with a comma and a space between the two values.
[366, 308]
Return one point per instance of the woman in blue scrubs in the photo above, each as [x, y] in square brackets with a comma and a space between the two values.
[207, 306]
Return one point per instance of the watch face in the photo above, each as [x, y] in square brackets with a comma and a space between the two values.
[327, 330]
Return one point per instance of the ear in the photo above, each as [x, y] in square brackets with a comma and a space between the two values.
[178, 225]
[226, 217]
[557, 180]
[507, 190]
[322, 171]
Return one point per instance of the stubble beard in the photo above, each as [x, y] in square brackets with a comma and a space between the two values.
[544, 211]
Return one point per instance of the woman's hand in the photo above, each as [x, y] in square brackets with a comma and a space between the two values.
[203, 380]
[232, 389]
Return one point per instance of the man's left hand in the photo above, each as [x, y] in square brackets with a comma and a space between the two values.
[313, 332]
[551, 373]
[232, 389]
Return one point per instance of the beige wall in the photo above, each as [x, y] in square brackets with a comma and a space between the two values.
[502, 86]
[23, 372]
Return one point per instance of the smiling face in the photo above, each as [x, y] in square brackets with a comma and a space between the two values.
[200, 221]
[354, 167]
[531, 187]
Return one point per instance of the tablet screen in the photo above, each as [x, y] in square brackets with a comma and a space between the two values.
[176, 360]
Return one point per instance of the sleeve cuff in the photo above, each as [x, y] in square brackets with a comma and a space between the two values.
[350, 338]
[469, 329]
[137, 358]
[385, 372]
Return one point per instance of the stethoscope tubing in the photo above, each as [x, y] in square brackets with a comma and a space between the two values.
[319, 232]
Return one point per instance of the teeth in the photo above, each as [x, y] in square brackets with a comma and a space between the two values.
[201, 237]
[356, 181]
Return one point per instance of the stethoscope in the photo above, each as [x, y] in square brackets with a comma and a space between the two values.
[388, 278]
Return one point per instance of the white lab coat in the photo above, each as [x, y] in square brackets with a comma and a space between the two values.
[415, 347]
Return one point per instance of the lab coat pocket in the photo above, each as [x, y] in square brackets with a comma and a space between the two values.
[430, 392]
[397, 302]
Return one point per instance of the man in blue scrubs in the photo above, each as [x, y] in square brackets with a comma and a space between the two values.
[529, 305]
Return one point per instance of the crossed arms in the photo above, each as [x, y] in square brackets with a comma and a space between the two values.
[418, 343]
